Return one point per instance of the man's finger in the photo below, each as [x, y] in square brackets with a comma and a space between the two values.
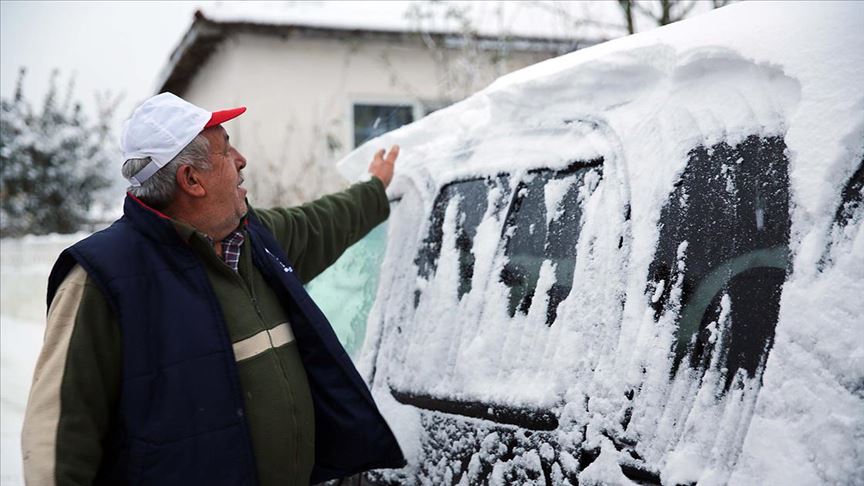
[379, 154]
[394, 152]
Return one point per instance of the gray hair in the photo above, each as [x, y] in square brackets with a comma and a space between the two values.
[158, 190]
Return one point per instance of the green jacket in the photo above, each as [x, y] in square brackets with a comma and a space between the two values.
[77, 379]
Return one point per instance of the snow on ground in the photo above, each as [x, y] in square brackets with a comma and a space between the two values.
[791, 70]
[20, 341]
[24, 267]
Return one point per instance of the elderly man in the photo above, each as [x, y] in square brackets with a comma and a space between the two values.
[181, 347]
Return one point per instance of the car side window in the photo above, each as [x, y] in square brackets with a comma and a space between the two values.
[543, 225]
[470, 199]
[722, 256]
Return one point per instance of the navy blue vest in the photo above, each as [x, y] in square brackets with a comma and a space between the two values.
[180, 418]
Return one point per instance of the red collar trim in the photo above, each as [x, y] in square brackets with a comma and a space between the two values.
[157, 213]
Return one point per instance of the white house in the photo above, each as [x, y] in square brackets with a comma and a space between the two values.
[318, 82]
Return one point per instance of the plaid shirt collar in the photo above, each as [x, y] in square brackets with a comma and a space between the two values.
[230, 245]
[231, 249]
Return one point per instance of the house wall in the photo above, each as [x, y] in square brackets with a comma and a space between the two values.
[299, 92]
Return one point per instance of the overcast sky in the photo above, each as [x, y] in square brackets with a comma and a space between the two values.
[116, 46]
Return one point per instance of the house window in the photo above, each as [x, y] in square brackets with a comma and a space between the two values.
[372, 120]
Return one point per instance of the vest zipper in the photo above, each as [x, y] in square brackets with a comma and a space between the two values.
[251, 291]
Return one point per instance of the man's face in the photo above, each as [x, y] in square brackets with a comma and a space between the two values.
[226, 199]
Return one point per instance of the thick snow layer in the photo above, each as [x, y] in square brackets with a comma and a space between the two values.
[789, 70]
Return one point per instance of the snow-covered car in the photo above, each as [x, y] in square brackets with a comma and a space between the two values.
[643, 261]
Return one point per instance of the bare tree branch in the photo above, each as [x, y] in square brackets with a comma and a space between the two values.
[644, 10]
[684, 11]
[662, 12]
[559, 10]
[627, 10]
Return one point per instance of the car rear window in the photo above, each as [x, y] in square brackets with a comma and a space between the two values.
[722, 256]
[468, 200]
[513, 229]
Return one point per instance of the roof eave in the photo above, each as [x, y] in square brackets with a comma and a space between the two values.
[204, 36]
[199, 42]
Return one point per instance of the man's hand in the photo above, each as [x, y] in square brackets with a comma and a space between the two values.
[382, 164]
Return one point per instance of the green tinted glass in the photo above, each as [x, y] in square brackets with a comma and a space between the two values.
[346, 291]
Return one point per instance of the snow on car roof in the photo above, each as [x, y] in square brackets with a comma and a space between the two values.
[813, 50]
[819, 45]
[791, 69]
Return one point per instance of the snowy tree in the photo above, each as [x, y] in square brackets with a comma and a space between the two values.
[53, 161]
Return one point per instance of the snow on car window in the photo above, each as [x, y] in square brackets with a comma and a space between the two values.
[714, 287]
[465, 349]
[467, 202]
[556, 198]
[847, 218]
[852, 202]
[731, 209]
[645, 366]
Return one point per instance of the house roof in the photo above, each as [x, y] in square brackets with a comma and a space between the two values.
[505, 28]
[543, 20]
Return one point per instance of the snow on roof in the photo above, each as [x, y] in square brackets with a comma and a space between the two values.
[542, 20]
[522, 26]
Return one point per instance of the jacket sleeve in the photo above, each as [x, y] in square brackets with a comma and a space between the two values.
[315, 234]
[75, 386]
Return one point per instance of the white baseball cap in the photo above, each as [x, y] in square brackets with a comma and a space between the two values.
[161, 127]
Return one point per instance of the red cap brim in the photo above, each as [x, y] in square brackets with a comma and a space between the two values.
[222, 116]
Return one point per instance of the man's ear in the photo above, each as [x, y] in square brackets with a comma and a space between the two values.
[188, 181]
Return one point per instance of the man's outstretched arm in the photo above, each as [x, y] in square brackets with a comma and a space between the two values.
[315, 234]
